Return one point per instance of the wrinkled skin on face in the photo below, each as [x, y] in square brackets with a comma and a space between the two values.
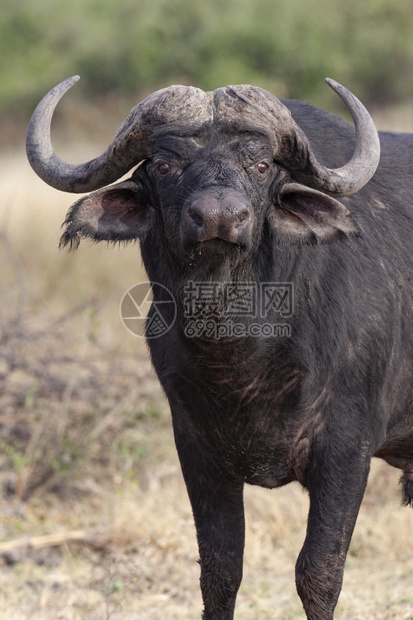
[210, 197]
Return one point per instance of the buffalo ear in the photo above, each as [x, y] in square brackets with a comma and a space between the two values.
[306, 215]
[117, 213]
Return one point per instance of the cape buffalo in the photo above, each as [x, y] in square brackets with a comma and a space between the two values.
[235, 204]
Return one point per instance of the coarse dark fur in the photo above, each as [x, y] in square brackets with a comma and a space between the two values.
[314, 405]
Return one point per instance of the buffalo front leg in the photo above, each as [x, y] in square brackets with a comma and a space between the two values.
[217, 505]
[336, 483]
[219, 521]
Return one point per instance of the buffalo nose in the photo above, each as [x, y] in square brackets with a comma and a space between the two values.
[211, 217]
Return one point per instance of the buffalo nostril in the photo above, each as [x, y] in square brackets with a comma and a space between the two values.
[196, 217]
[242, 216]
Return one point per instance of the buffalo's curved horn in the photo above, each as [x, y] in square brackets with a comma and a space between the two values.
[53, 170]
[358, 171]
[171, 106]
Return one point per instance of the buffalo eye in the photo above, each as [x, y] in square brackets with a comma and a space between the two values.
[262, 167]
[164, 169]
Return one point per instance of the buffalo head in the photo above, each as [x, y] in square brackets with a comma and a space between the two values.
[215, 170]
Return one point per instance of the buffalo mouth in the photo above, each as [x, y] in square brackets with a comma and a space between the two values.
[214, 259]
[221, 249]
[217, 248]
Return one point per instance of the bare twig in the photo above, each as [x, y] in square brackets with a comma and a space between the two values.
[32, 543]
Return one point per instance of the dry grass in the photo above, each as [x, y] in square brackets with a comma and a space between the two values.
[86, 442]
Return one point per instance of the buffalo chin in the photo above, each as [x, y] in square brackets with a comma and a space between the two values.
[215, 260]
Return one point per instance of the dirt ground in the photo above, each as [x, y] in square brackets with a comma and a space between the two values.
[146, 565]
[87, 455]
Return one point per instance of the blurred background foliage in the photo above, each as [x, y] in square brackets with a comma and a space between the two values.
[127, 48]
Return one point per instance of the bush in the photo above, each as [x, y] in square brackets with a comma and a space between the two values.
[131, 47]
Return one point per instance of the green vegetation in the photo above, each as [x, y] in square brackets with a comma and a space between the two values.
[130, 47]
